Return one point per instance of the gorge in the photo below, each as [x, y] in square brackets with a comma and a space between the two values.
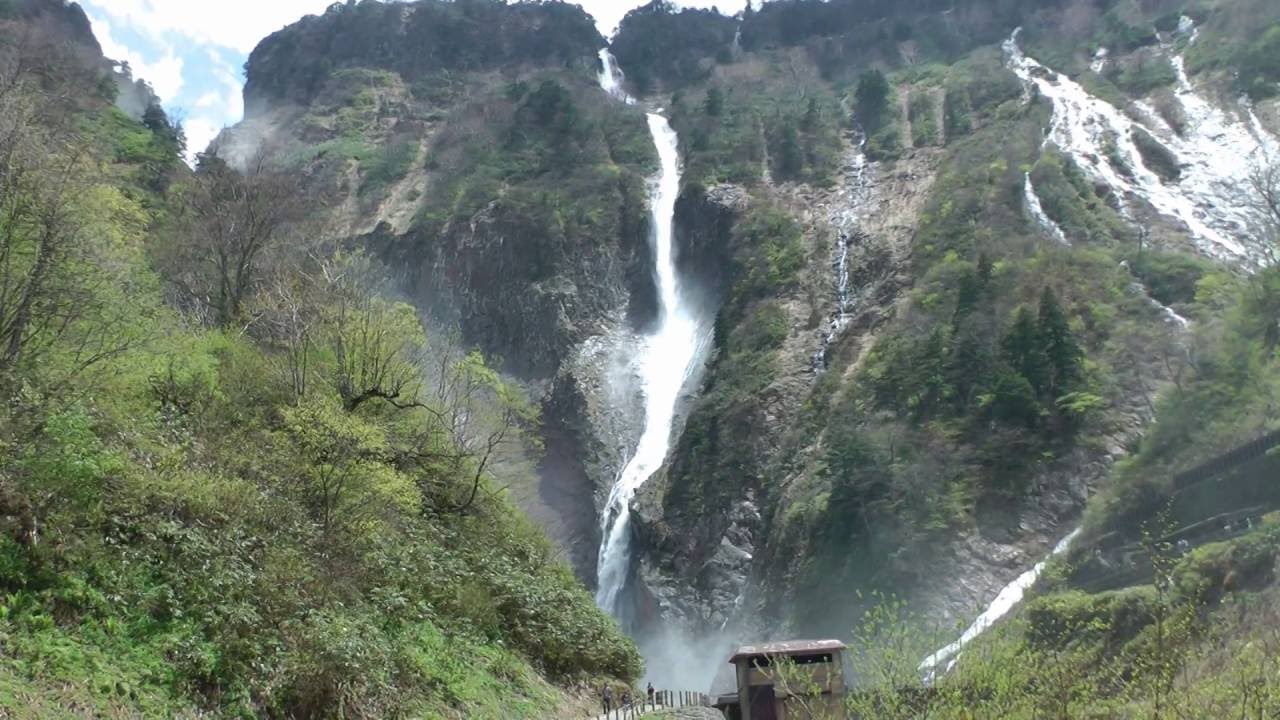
[489, 361]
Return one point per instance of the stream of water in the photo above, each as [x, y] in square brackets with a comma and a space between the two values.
[1046, 223]
[1008, 598]
[844, 220]
[1215, 152]
[666, 362]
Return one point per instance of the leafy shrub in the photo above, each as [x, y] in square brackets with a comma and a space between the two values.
[1170, 278]
[387, 165]
[923, 117]
[1142, 74]
[770, 257]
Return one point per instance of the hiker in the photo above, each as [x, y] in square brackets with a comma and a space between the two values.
[649, 692]
[607, 697]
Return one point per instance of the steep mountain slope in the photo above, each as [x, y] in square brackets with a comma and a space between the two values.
[946, 308]
[504, 187]
[950, 281]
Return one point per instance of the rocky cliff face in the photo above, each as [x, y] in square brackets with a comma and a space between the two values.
[807, 473]
[942, 315]
[466, 145]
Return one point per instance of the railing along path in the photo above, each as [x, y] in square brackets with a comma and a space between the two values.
[662, 700]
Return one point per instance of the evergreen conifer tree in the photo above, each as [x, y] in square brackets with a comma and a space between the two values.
[1058, 346]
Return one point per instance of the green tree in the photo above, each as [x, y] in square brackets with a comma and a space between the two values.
[1059, 347]
[790, 155]
[1023, 351]
[812, 116]
[968, 369]
[232, 224]
[69, 241]
[713, 104]
[378, 347]
[343, 475]
[1012, 399]
[871, 99]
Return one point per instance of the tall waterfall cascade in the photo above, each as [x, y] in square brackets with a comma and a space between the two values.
[1215, 151]
[668, 358]
[611, 77]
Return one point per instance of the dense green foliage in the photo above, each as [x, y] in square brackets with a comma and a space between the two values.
[432, 39]
[272, 497]
[1187, 646]
[1010, 357]
[1225, 397]
[238, 479]
[669, 48]
[736, 131]
[718, 443]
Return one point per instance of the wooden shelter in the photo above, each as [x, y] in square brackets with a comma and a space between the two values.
[793, 680]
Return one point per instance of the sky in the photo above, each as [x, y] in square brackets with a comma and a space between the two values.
[193, 51]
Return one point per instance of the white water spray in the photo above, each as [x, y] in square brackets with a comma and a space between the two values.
[666, 361]
[611, 77]
[1215, 153]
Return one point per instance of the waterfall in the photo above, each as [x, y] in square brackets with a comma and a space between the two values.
[844, 220]
[1006, 600]
[1038, 214]
[666, 361]
[611, 77]
[1214, 154]
[1099, 63]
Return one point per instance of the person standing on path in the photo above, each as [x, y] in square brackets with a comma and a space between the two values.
[649, 691]
[606, 696]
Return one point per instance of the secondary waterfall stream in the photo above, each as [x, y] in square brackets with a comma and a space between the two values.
[845, 217]
[1215, 150]
[1008, 597]
[1215, 153]
[667, 358]
[1046, 223]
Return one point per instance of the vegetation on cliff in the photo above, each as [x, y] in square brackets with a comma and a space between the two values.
[241, 477]
[1003, 364]
[237, 477]
[426, 41]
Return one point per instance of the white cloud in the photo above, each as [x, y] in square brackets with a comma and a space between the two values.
[231, 84]
[200, 132]
[241, 24]
[165, 75]
[237, 24]
[608, 13]
[224, 31]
